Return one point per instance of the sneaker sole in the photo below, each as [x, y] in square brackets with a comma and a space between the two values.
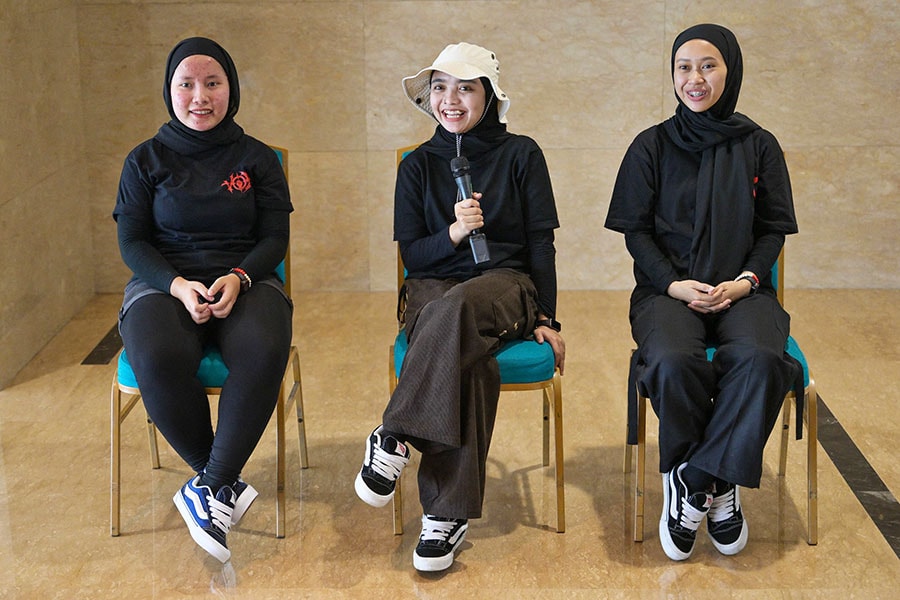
[367, 495]
[736, 546]
[243, 504]
[437, 563]
[200, 537]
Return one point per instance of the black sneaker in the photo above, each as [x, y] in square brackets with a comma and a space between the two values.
[438, 542]
[384, 461]
[681, 515]
[725, 522]
[208, 518]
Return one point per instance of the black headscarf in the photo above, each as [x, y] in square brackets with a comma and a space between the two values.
[723, 215]
[175, 134]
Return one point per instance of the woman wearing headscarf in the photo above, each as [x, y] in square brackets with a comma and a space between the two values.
[203, 221]
[458, 306]
[704, 201]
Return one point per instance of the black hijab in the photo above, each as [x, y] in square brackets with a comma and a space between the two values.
[723, 214]
[175, 134]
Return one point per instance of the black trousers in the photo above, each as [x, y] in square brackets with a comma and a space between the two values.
[715, 415]
[445, 402]
[165, 346]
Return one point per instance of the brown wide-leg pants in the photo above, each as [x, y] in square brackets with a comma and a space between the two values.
[445, 402]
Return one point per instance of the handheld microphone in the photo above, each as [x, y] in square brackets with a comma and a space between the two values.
[459, 167]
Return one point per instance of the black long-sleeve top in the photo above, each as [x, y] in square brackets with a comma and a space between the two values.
[653, 205]
[519, 215]
[199, 216]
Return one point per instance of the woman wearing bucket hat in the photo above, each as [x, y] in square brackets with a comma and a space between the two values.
[456, 306]
[704, 201]
[203, 218]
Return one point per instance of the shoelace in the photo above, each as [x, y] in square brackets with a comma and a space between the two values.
[723, 507]
[436, 530]
[690, 516]
[386, 464]
[220, 514]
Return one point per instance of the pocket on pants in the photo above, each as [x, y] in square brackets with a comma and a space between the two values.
[515, 310]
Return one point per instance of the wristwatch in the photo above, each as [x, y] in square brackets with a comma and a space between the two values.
[753, 279]
[551, 323]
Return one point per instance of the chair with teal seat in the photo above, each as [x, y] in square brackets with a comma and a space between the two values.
[806, 412]
[525, 365]
[125, 395]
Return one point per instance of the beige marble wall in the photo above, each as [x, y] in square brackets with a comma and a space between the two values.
[82, 84]
[46, 271]
[323, 80]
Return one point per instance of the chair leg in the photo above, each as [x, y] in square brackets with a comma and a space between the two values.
[546, 427]
[812, 465]
[560, 473]
[639, 474]
[397, 501]
[279, 464]
[397, 505]
[296, 396]
[154, 446]
[114, 458]
[785, 434]
[119, 409]
[628, 463]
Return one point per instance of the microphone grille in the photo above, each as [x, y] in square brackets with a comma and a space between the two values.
[459, 166]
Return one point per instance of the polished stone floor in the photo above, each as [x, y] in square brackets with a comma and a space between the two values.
[54, 478]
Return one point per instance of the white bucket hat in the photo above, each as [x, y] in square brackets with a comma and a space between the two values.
[463, 61]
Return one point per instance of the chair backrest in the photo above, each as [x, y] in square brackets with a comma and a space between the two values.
[401, 270]
[778, 276]
[283, 270]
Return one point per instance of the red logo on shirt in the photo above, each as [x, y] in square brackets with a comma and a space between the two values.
[238, 181]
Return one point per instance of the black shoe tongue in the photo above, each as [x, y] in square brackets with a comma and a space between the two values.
[700, 500]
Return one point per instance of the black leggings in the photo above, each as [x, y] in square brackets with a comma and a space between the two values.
[165, 346]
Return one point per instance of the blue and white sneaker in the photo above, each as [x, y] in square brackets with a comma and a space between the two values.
[438, 542]
[208, 518]
[244, 495]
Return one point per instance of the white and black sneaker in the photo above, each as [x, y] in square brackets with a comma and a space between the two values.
[208, 517]
[385, 458]
[438, 542]
[725, 522]
[681, 515]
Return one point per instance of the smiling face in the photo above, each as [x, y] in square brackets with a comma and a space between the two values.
[458, 104]
[200, 92]
[699, 74]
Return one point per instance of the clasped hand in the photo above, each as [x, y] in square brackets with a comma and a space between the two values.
[201, 302]
[705, 298]
[469, 217]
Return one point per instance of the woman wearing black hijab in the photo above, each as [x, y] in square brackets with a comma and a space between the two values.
[458, 309]
[203, 221]
[704, 201]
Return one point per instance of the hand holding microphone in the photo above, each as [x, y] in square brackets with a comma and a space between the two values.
[459, 167]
